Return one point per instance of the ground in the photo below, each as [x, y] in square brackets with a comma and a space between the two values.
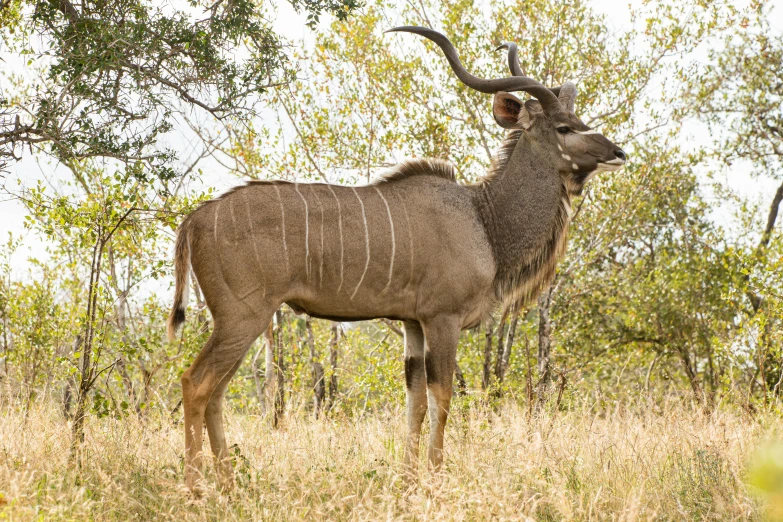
[660, 463]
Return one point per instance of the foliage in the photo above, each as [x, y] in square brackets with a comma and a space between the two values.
[113, 77]
[738, 94]
[664, 289]
[38, 325]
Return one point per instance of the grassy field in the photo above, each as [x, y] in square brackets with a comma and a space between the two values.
[675, 464]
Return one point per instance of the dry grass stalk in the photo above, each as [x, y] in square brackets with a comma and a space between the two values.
[567, 466]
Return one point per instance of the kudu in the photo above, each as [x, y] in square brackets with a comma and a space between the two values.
[413, 246]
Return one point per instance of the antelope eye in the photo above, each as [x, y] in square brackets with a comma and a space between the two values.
[563, 129]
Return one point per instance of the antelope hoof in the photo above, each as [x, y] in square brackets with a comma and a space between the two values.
[196, 487]
[436, 460]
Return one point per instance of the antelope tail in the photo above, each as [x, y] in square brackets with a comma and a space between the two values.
[181, 285]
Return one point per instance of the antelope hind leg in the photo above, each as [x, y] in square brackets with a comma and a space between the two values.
[213, 417]
[216, 363]
[440, 357]
[416, 391]
[195, 395]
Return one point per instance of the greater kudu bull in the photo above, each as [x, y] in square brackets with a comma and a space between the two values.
[414, 246]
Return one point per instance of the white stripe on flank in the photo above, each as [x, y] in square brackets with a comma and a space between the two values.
[590, 131]
[340, 227]
[394, 245]
[282, 226]
[253, 241]
[214, 227]
[233, 222]
[366, 243]
[321, 265]
[307, 231]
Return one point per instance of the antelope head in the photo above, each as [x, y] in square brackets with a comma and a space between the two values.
[582, 152]
[577, 151]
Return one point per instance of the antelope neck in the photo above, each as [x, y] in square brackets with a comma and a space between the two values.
[524, 210]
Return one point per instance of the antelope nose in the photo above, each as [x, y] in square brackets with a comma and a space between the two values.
[620, 154]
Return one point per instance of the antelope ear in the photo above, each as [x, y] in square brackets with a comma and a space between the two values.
[506, 109]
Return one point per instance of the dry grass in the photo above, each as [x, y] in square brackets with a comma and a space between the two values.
[679, 465]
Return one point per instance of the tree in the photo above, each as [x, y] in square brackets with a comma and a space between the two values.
[663, 291]
[738, 94]
[113, 77]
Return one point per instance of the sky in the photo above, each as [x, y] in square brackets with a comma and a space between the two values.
[292, 26]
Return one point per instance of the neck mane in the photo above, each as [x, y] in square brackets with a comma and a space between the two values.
[525, 209]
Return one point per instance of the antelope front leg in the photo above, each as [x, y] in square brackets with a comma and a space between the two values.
[416, 391]
[440, 358]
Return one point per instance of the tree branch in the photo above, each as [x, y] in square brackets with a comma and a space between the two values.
[771, 218]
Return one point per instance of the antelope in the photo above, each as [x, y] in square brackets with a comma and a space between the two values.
[414, 245]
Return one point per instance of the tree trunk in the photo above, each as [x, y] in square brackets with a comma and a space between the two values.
[772, 217]
[70, 383]
[319, 385]
[270, 378]
[462, 386]
[86, 379]
[88, 368]
[506, 359]
[693, 379]
[544, 344]
[257, 380]
[500, 346]
[757, 301]
[279, 365]
[765, 356]
[528, 378]
[333, 347]
[273, 381]
[487, 375]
